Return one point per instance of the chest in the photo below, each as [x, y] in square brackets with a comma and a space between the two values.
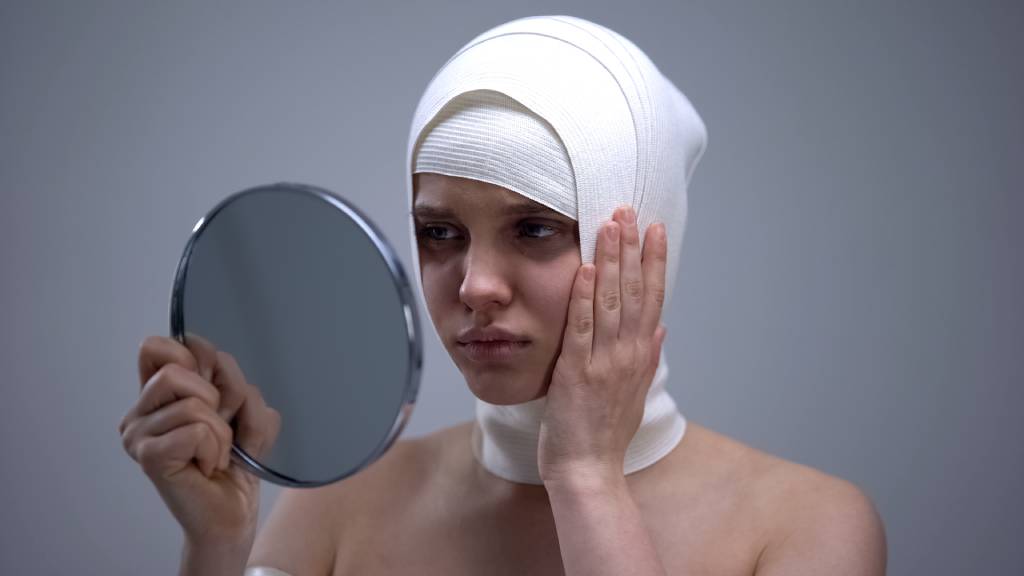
[521, 539]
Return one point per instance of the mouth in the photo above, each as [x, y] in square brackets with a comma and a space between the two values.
[492, 351]
[490, 344]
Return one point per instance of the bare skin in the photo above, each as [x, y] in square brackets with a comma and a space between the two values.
[713, 506]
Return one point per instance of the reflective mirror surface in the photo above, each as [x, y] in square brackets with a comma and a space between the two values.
[304, 293]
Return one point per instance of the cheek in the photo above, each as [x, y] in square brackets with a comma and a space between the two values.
[551, 291]
[441, 281]
[438, 285]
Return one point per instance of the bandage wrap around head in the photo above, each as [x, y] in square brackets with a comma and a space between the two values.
[574, 116]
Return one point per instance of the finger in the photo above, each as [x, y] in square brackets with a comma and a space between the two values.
[656, 347]
[254, 422]
[172, 383]
[204, 352]
[578, 339]
[156, 351]
[631, 285]
[655, 356]
[654, 258]
[271, 428]
[607, 301]
[177, 414]
[258, 425]
[231, 383]
[166, 455]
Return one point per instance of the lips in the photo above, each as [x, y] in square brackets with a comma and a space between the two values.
[492, 334]
[491, 345]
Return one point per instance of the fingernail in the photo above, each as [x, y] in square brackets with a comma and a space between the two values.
[630, 213]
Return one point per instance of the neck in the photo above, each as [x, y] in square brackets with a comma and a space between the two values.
[505, 437]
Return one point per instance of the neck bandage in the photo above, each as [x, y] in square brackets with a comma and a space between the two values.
[575, 117]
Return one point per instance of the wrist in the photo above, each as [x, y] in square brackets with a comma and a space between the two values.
[586, 483]
[215, 556]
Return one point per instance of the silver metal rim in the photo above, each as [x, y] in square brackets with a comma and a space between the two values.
[415, 348]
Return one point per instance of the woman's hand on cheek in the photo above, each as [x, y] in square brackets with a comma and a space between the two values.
[610, 352]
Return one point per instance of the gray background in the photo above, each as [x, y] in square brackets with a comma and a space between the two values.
[849, 288]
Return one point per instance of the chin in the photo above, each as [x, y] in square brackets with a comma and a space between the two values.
[503, 389]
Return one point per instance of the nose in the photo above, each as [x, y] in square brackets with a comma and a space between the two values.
[484, 284]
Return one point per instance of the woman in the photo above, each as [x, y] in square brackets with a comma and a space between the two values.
[549, 162]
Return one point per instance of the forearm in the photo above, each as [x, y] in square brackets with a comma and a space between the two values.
[601, 531]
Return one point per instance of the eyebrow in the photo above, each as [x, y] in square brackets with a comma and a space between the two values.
[517, 209]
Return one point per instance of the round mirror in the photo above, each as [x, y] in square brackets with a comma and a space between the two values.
[312, 303]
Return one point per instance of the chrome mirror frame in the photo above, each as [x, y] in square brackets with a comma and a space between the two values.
[402, 287]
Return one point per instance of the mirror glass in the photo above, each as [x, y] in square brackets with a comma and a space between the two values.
[312, 303]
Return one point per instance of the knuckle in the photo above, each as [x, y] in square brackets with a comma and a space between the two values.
[658, 295]
[153, 344]
[167, 376]
[127, 439]
[146, 454]
[624, 359]
[214, 394]
[193, 405]
[159, 379]
[210, 393]
[583, 324]
[634, 288]
[169, 371]
[630, 366]
[244, 430]
[225, 358]
[253, 391]
[201, 432]
[148, 344]
[610, 300]
[224, 430]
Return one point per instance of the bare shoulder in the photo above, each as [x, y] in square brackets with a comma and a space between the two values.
[813, 522]
[302, 533]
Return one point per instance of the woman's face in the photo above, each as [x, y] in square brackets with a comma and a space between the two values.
[497, 266]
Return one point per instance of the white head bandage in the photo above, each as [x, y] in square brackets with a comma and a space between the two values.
[488, 136]
[575, 117]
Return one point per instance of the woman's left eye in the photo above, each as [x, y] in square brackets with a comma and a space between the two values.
[536, 230]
